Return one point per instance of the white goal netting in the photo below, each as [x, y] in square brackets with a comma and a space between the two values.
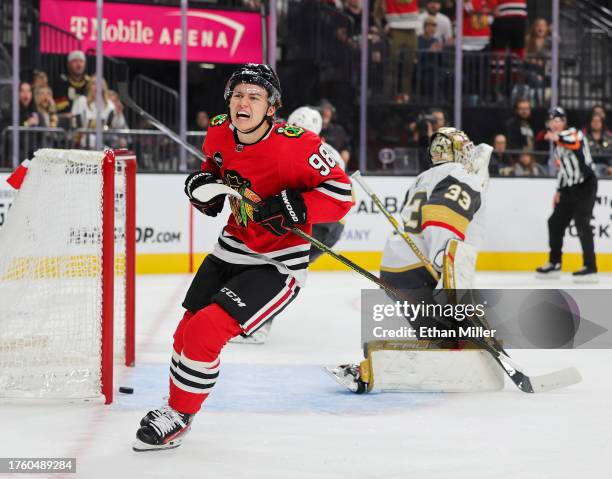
[51, 281]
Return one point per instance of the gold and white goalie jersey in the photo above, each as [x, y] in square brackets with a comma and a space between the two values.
[444, 203]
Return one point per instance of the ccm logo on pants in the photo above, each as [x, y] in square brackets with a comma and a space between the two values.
[233, 296]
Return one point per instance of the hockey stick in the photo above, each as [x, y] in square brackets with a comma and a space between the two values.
[546, 382]
[523, 382]
[125, 98]
[359, 179]
[211, 190]
[207, 192]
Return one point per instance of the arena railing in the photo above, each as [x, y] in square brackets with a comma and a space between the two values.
[156, 153]
[154, 150]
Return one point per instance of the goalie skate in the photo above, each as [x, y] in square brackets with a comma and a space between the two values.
[349, 376]
[163, 428]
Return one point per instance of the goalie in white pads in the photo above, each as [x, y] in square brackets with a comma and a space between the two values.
[443, 213]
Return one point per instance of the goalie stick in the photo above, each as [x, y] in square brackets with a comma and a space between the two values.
[528, 384]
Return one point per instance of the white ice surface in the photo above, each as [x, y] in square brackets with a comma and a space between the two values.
[275, 414]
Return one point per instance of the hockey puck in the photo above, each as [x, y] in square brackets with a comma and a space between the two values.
[126, 390]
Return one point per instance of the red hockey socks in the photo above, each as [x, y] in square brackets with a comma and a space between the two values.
[198, 340]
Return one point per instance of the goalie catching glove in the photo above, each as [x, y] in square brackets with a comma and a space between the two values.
[200, 178]
[282, 212]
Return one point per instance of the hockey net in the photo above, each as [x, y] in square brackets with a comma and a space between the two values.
[67, 276]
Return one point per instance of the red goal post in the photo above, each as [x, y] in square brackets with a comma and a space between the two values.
[67, 276]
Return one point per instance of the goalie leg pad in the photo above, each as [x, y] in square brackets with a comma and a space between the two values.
[459, 265]
[411, 366]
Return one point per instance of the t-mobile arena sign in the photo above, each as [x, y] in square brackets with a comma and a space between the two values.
[142, 31]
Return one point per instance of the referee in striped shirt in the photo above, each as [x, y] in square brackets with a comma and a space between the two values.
[574, 199]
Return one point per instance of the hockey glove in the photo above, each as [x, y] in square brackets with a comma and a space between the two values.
[200, 178]
[281, 212]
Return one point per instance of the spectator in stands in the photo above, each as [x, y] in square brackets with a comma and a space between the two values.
[538, 52]
[427, 41]
[84, 113]
[70, 85]
[429, 60]
[419, 132]
[518, 128]
[527, 166]
[508, 31]
[501, 163]
[600, 144]
[202, 121]
[600, 110]
[449, 9]
[440, 116]
[40, 80]
[538, 38]
[334, 133]
[43, 97]
[476, 31]
[28, 116]
[402, 21]
[444, 28]
[349, 33]
[118, 122]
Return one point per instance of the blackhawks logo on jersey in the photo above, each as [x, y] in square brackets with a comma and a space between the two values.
[218, 120]
[242, 212]
[290, 131]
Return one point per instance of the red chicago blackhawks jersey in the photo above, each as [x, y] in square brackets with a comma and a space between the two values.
[511, 8]
[288, 157]
[476, 31]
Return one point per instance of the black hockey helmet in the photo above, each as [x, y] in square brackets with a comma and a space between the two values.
[256, 74]
[557, 112]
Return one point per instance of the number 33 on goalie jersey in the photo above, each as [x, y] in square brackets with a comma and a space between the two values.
[445, 202]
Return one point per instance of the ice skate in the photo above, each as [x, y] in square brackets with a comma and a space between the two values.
[585, 275]
[349, 376]
[549, 271]
[162, 428]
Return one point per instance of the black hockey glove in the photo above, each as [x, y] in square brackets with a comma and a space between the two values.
[281, 212]
[197, 179]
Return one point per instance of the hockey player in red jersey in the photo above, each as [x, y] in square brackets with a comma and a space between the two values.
[257, 266]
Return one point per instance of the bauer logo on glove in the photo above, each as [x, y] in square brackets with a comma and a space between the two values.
[281, 212]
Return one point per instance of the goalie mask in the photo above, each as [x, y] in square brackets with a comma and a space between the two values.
[307, 118]
[451, 145]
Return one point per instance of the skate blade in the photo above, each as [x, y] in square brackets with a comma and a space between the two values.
[588, 279]
[139, 446]
[553, 275]
[334, 373]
